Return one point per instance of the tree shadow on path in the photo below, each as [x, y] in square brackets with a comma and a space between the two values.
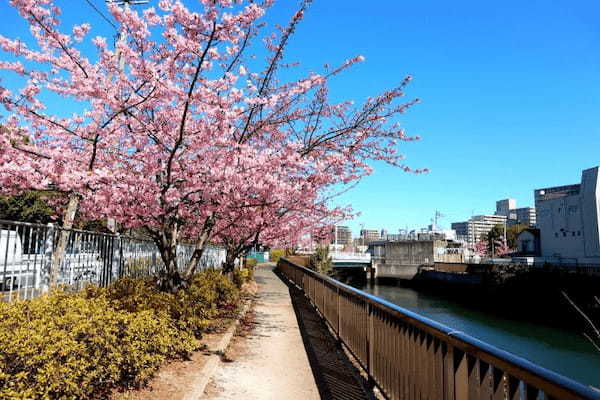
[335, 375]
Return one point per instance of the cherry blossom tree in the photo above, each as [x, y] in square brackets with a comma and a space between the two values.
[501, 247]
[193, 139]
[481, 248]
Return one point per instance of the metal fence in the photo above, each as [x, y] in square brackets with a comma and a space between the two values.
[27, 253]
[409, 356]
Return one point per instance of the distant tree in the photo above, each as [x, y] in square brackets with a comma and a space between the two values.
[27, 207]
[320, 260]
[501, 248]
[512, 233]
[495, 237]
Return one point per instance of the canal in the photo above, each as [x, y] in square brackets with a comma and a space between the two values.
[559, 350]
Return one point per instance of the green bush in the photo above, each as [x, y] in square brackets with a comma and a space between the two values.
[320, 260]
[81, 345]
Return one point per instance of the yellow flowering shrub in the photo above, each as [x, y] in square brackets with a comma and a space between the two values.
[66, 346]
[276, 254]
[81, 345]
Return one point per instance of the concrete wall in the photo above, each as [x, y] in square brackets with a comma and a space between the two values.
[402, 260]
[561, 227]
[590, 205]
[409, 252]
[569, 223]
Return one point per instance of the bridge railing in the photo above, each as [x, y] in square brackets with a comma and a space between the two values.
[409, 356]
[360, 257]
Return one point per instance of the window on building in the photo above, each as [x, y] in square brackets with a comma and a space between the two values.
[578, 233]
[564, 234]
[572, 209]
[573, 233]
[555, 234]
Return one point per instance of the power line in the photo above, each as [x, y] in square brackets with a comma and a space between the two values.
[101, 14]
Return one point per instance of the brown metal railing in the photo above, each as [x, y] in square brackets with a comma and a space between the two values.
[409, 356]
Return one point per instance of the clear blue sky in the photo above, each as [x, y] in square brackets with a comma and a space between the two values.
[510, 95]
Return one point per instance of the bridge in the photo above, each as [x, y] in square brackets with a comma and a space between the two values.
[349, 260]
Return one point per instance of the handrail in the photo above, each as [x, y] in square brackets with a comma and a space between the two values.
[408, 355]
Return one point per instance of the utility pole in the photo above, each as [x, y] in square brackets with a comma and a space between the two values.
[362, 234]
[505, 238]
[335, 236]
[110, 222]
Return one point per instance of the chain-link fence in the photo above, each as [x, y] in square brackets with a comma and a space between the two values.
[27, 255]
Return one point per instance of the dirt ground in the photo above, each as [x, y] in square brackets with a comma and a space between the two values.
[267, 359]
[173, 379]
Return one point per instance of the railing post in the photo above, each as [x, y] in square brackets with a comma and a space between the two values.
[115, 264]
[339, 315]
[43, 282]
[370, 350]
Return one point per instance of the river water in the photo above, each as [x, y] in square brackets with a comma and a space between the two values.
[559, 350]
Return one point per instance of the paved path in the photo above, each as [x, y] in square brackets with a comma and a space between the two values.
[274, 363]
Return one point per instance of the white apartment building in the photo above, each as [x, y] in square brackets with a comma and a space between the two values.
[568, 220]
[474, 229]
[342, 236]
[369, 235]
[514, 215]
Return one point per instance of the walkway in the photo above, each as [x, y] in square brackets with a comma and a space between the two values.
[284, 356]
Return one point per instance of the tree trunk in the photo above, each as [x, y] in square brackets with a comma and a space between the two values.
[169, 278]
[229, 264]
[63, 239]
[199, 248]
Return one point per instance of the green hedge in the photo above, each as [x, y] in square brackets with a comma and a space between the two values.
[82, 345]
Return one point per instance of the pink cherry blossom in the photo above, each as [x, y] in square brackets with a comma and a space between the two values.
[174, 143]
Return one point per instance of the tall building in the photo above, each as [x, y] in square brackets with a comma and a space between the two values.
[568, 220]
[514, 215]
[477, 227]
[526, 216]
[369, 235]
[342, 235]
[504, 207]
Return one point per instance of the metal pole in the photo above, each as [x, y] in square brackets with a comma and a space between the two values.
[44, 280]
[110, 222]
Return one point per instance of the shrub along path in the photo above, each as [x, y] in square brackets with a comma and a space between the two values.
[285, 355]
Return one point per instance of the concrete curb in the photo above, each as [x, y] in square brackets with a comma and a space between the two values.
[203, 376]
